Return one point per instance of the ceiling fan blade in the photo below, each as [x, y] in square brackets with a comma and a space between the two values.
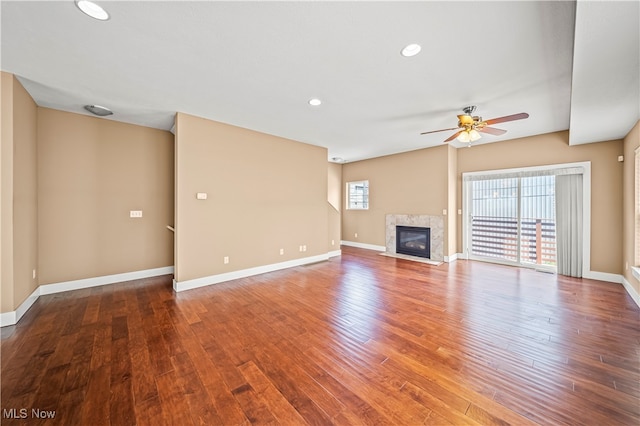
[442, 130]
[513, 117]
[492, 131]
[452, 137]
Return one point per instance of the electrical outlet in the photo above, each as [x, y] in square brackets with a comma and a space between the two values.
[281, 252]
[333, 242]
[226, 260]
[459, 211]
[355, 235]
[444, 212]
[34, 274]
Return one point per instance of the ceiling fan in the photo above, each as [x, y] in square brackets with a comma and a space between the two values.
[470, 127]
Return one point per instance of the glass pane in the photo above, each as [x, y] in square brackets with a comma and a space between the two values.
[359, 195]
[494, 220]
[537, 211]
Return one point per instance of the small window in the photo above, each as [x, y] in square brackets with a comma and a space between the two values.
[358, 195]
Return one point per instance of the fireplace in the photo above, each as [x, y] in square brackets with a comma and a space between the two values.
[414, 241]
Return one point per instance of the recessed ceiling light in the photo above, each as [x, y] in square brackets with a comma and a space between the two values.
[315, 102]
[98, 110]
[92, 9]
[411, 50]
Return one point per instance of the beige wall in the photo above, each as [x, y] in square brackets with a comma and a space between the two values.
[435, 174]
[334, 198]
[553, 148]
[92, 172]
[6, 193]
[25, 194]
[631, 143]
[264, 193]
[19, 229]
[451, 246]
[409, 183]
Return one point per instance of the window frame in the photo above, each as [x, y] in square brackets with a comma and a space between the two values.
[365, 195]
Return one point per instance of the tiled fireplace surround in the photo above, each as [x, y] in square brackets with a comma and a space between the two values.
[436, 223]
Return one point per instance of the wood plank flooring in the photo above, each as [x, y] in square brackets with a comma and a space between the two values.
[360, 339]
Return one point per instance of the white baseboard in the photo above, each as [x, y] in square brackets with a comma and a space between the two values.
[12, 318]
[243, 273]
[106, 279]
[603, 276]
[335, 253]
[632, 291]
[7, 318]
[363, 245]
[451, 258]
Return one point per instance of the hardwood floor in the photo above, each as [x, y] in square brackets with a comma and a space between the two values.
[360, 339]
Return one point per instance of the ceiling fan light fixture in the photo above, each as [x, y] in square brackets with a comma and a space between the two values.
[474, 135]
[411, 50]
[464, 137]
[91, 9]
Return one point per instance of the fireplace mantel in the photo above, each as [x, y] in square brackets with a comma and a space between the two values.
[436, 223]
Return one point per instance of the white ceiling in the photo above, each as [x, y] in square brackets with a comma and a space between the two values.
[256, 64]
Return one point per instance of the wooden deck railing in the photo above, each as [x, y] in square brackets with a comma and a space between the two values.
[498, 237]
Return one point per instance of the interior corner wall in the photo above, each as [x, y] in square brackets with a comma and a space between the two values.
[408, 183]
[631, 143]
[264, 193]
[19, 229]
[554, 148]
[334, 205]
[25, 194]
[451, 228]
[6, 192]
[91, 173]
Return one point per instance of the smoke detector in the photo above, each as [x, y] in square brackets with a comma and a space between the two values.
[98, 110]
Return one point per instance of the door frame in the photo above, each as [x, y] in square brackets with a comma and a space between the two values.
[586, 192]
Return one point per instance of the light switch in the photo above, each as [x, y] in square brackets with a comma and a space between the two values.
[135, 213]
[201, 196]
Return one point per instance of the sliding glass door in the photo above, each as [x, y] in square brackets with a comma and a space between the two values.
[512, 220]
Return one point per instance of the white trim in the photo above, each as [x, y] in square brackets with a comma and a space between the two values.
[636, 272]
[335, 253]
[363, 245]
[528, 169]
[603, 276]
[586, 221]
[7, 318]
[107, 279]
[24, 306]
[243, 273]
[451, 258]
[632, 291]
[12, 318]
